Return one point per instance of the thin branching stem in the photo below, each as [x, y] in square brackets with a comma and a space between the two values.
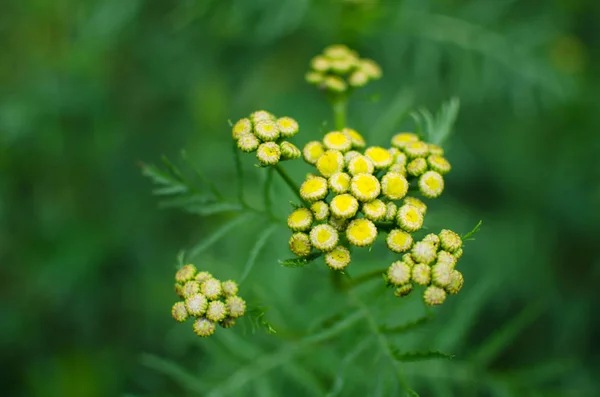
[364, 278]
[289, 181]
[340, 106]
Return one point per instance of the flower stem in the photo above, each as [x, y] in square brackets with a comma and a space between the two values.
[364, 278]
[288, 180]
[339, 112]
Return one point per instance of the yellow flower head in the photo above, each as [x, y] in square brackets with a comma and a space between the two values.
[248, 143]
[409, 218]
[312, 151]
[374, 210]
[433, 239]
[439, 164]
[358, 142]
[300, 244]
[424, 252]
[339, 182]
[334, 84]
[399, 273]
[404, 138]
[300, 220]
[190, 288]
[320, 63]
[434, 295]
[421, 274]
[336, 140]
[344, 206]
[417, 166]
[450, 240]
[415, 202]
[261, 115]
[360, 165]
[203, 276]
[242, 126]
[361, 232]
[441, 274]
[435, 149]
[288, 127]
[314, 77]
[394, 186]
[338, 258]
[380, 157]
[365, 187]
[350, 155]
[324, 237]
[403, 290]
[216, 311]
[211, 288]
[236, 306]
[268, 153]
[390, 213]
[416, 149]
[370, 68]
[431, 184]
[314, 189]
[358, 78]
[330, 162]
[196, 304]
[179, 312]
[338, 224]
[289, 151]
[456, 283]
[204, 327]
[337, 51]
[446, 258]
[399, 241]
[229, 288]
[320, 210]
[266, 130]
[185, 273]
[342, 66]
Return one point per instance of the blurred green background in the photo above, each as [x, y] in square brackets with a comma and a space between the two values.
[91, 89]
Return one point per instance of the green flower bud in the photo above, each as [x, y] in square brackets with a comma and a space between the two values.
[338, 258]
[408, 259]
[391, 210]
[185, 273]
[315, 78]
[399, 168]
[438, 164]
[456, 283]
[434, 295]
[446, 258]
[320, 210]
[417, 167]
[217, 311]
[320, 63]
[196, 304]
[203, 276]
[370, 68]
[324, 237]
[289, 151]
[190, 288]
[236, 306]
[211, 288]
[358, 78]
[441, 274]
[424, 252]
[337, 51]
[300, 220]
[402, 139]
[435, 149]
[229, 287]
[204, 327]
[342, 66]
[179, 312]
[399, 273]
[227, 322]
[416, 149]
[421, 274]
[458, 253]
[300, 244]
[248, 143]
[338, 224]
[403, 290]
[358, 142]
[450, 240]
[399, 241]
[431, 184]
[261, 115]
[361, 232]
[432, 238]
[415, 202]
[334, 84]
[242, 126]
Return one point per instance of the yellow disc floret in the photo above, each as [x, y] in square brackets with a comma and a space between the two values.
[338, 258]
[324, 237]
[404, 138]
[337, 140]
[358, 142]
[439, 164]
[300, 244]
[243, 126]
[314, 189]
[394, 186]
[365, 187]
[339, 182]
[361, 232]
[204, 327]
[266, 130]
[399, 241]
[300, 220]
[320, 210]
[312, 151]
[248, 143]
[374, 210]
[409, 218]
[344, 206]
[330, 162]
[288, 127]
[416, 149]
[416, 167]
[415, 202]
[360, 165]
[431, 184]
[268, 153]
[450, 241]
[380, 157]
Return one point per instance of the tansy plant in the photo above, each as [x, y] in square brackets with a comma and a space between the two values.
[353, 195]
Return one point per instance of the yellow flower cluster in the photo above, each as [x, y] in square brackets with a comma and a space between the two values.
[339, 67]
[264, 133]
[207, 299]
[430, 262]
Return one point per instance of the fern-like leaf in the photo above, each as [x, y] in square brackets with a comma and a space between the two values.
[299, 262]
[472, 233]
[420, 356]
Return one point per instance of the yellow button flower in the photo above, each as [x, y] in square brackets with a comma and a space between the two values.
[394, 186]
[185, 273]
[179, 312]
[439, 164]
[248, 143]
[358, 142]
[434, 295]
[415, 202]
[289, 151]
[374, 210]
[320, 210]
[314, 189]
[196, 304]
[441, 274]
[416, 149]
[266, 130]
[236, 306]
[261, 115]
[399, 241]
[268, 153]
[320, 63]
[360, 165]
[204, 327]
[324, 237]
[431, 184]
[288, 127]
[337, 140]
[450, 241]
[211, 288]
[416, 167]
[338, 258]
[339, 182]
[330, 162]
[421, 274]
[242, 126]
[365, 187]
[216, 311]
[312, 151]
[404, 138]
[424, 252]
[409, 218]
[300, 244]
[380, 157]
[399, 273]
[390, 213]
[344, 206]
[300, 220]
[361, 232]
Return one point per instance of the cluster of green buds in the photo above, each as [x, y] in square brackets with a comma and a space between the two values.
[266, 134]
[431, 263]
[206, 299]
[339, 67]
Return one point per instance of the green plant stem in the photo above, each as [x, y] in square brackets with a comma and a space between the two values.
[339, 112]
[289, 181]
[364, 278]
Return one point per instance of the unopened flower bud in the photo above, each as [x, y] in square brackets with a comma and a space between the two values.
[399, 273]
[196, 304]
[179, 312]
[337, 140]
[243, 126]
[312, 151]
[268, 153]
[403, 290]
[300, 244]
[204, 327]
[229, 288]
[374, 210]
[324, 237]
[409, 218]
[236, 306]
[421, 274]
[288, 127]
[416, 167]
[379, 156]
[431, 184]
[211, 288]
[185, 273]
[248, 143]
[216, 311]
[300, 220]
[456, 283]
[399, 241]
[438, 164]
[450, 240]
[424, 252]
[434, 295]
[338, 258]
[320, 210]
[289, 151]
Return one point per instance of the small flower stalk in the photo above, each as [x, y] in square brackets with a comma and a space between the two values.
[207, 301]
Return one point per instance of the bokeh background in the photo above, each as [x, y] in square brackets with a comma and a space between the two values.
[90, 90]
